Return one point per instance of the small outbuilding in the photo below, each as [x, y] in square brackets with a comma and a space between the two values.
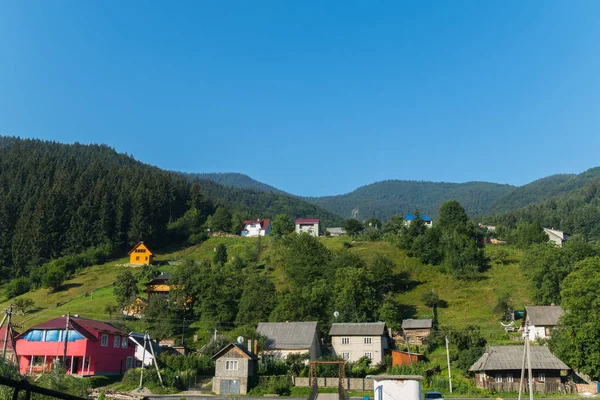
[417, 331]
[235, 370]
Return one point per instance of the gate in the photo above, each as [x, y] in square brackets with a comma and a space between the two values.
[230, 386]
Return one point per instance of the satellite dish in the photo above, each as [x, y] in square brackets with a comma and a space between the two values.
[336, 314]
[240, 339]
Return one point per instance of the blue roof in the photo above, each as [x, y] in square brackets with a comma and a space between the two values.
[410, 217]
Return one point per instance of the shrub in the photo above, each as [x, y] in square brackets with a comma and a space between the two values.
[17, 287]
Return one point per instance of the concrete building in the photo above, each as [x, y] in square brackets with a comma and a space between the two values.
[235, 370]
[308, 225]
[352, 341]
[555, 236]
[284, 338]
[541, 319]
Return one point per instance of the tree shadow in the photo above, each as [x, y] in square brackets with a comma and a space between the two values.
[442, 304]
[68, 286]
[406, 311]
[404, 283]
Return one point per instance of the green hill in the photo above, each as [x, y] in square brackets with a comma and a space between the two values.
[235, 180]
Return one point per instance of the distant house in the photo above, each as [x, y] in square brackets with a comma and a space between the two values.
[409, 218]
[135, 308]
[159, 286]
[541, 320]
[255, 228]
[308, 225]
[416, 331]
[352, 341]
[555, 236]
[140, 254]
[333, 232]
[137, 338]
[10, 350]
[284, 338]
[499, 368]
[93, 347]
[235, 369]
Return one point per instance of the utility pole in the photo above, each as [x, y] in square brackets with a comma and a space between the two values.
[408, 348]
[66, 341]
[182, 330]
[155, 363]
[7, 314]
[449, 372]
[523, 364]
[529, 368]
[143, 359]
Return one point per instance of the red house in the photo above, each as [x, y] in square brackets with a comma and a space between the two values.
[93, 347]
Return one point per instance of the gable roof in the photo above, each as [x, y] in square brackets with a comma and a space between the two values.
[138, 339]
[555, 232]
[410, 217]
[499, 358]
[140, 244]
[162, 278]
[89, 328]
[263, 223]
[417, 323]
[240, 349]
[357, 329]
[308, 221]
[288, 335]
[543, 315]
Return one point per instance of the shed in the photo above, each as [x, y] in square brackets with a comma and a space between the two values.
[416, 331]
[235, 370]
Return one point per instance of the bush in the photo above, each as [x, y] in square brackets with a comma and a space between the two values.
[279, 385]
[17, 287]
[61, 382]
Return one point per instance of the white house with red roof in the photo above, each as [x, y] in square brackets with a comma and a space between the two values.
[308, 225]
[257, 227]
[92, 347]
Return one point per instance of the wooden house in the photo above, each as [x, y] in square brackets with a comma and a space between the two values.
[499, 368]
[159, 286]
[416, 331]
[140, 255]
[285, 338]
[235, 370]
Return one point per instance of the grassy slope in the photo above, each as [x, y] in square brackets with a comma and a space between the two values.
[468, 302]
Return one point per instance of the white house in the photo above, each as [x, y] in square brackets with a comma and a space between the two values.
[409, 218]
[541, 320]
[284, 338]
[308, 225]
[556, 237]
[138, 339]
[337, 231]
[255, 228]
[352, 341]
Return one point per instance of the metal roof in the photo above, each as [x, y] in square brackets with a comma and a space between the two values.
[288, 335]
[308, 220]
[499, 358]
[417, 323]
[410, 217]
[357, 329]
[240, 347]
[543, 315]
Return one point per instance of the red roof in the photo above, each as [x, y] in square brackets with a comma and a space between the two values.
[8, 344]
[308, 221]
[90, 328]
[263, 223]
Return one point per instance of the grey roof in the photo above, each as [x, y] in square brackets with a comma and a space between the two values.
[417, 323]
[358, 329]
[243, 348]
[138, 339]
[544, 315]
[288, 335]
[499, 358]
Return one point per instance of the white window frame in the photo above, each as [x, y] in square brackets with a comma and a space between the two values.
[129, 363]
[368, 354]
[367, 340]
[345, 340]
[104, 340]
[346, 355]
[482, 377]
[117, 341]
[231, 365]
[125, 342]
[509, 377]
[498, 378]
[541, 376]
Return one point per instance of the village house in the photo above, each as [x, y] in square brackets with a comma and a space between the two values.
[92, 347]
[308, 225]
[352, 341]
[235, 370]
[541, 320]
[159, 286]
[335, 232]
[555, 236]
[409, 218]
[499, 368]
[284, 338]
[255, 228]
[416, 331]
[147, 357]
[140, 255]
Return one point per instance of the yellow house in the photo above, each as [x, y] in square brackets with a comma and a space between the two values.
[140, 254]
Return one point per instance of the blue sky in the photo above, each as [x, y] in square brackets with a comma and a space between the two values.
[313, 97]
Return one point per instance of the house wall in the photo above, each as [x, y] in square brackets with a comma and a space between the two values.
[357, 347]
[487, 380]
[417, 336]
[402, 358]
[313, 229]
[246, 370]
[140, 256]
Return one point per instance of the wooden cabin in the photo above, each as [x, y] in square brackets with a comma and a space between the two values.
[140, 255]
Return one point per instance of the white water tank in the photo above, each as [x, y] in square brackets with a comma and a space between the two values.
[397, 387]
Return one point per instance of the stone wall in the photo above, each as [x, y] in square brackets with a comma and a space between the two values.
[364, 384]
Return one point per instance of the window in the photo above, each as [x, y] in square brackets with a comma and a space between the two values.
[125, 342]
[367, 340]
[541, 377]
[129, 362]
[346, 356]
[345, 340]
[117, 341]
[368, 354]
[231, 365]
[146, 258]
[509, 377]
[137, 258]
[104, 341]
[498, 378]
[482, 377]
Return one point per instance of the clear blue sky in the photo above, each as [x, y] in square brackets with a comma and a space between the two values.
[313, 97]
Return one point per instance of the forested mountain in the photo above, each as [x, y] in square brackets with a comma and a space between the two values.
[58, 199]
[235, 180]
[544, 189]
[384, 199]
